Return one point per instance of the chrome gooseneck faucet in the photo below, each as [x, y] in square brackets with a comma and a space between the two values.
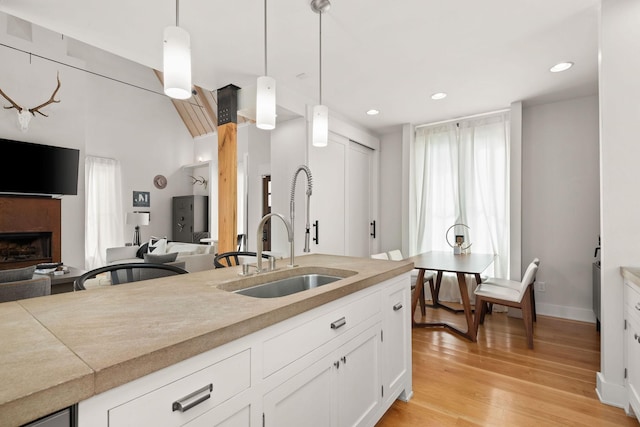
[259, 238]
[292, 205]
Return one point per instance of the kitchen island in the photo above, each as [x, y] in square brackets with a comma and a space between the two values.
[131, 339]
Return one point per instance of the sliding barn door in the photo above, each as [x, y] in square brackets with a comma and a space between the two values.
[341, 202]
[327, 166]
[358, 212]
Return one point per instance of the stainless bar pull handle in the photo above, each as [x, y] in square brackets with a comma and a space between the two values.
[397, 307]
[317, 230]
[338, 323]
[191, 400]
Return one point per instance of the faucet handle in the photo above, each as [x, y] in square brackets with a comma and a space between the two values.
[245, 270]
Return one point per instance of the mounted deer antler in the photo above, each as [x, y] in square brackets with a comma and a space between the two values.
[23, 115]
[200, 180]
[51, 100]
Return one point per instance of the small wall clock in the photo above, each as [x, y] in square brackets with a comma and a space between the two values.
[160, 181]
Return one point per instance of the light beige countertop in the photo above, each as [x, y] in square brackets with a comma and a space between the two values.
[60, 349]
[631, 274]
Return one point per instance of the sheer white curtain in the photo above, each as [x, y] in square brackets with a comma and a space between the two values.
[104, 226]
[462, 176]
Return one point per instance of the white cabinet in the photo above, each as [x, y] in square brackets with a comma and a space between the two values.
[396, 309]
[340, 364]
[340, 389]
[234, 413]
[306, 399]
[328, 202]
[358, 369]
[632, 346]
[342, 203]
[169, 398]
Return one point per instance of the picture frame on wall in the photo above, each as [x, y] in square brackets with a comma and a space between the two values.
[141, 199]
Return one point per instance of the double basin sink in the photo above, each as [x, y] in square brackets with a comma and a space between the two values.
[286, 282]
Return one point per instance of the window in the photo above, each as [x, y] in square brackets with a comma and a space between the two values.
[461, 175]
[103, 209]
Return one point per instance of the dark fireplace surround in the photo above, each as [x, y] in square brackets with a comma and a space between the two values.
[29, 231]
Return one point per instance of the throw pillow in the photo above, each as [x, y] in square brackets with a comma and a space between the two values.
[158, 246]
[143, 250]
[161, 258]
[16, 274]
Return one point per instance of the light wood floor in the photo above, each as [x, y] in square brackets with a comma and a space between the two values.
[499, 382]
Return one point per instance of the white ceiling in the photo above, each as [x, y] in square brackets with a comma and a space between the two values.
[387, 55]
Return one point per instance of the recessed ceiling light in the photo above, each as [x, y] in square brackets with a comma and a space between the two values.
[439, 95]
[373, 112]
[561, 66]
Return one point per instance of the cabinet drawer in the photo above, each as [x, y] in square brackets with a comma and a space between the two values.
[289, 346]
[632, 299]
[161, 407]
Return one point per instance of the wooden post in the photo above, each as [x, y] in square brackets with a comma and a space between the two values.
[227, 168]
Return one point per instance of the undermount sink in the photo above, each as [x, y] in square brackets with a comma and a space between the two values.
[288, 286]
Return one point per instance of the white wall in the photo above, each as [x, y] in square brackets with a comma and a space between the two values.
[390, 227]
[29, 81]
[288, 151]
[560, 203]
[619, 84]
[143, 131]
[100, 117]
[259, 165]
[559, 200]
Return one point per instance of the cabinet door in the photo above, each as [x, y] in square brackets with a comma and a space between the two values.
[359, 386]
[632, 350]
[358, 209]
[327, 166]
[395, 343]
[303, 400]
[234, 413]
[198, 393]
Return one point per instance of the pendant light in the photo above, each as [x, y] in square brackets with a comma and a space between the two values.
[320, 123]
[177, 60]
[266, 91]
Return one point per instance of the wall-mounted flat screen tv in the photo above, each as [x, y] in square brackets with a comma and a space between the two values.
[27, 168]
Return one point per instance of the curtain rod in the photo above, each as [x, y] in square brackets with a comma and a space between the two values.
[473, 116]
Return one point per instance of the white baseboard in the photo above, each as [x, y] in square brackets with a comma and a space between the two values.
[566, 312]
[610, 393]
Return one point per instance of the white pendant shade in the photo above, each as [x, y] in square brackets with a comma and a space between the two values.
[177, 63]
[320, 126]
[266, 103]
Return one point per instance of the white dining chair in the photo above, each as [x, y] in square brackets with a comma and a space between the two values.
[514, 284]
[381, 255]
[518, 295]
[429, 277]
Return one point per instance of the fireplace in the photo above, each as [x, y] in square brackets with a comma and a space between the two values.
[30, 229]
[25, 247]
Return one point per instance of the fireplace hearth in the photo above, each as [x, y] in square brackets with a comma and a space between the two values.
[17, 247]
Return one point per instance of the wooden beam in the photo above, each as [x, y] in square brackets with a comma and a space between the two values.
[227, 168]
[204, 96]
[227, 187]
[197, 113]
